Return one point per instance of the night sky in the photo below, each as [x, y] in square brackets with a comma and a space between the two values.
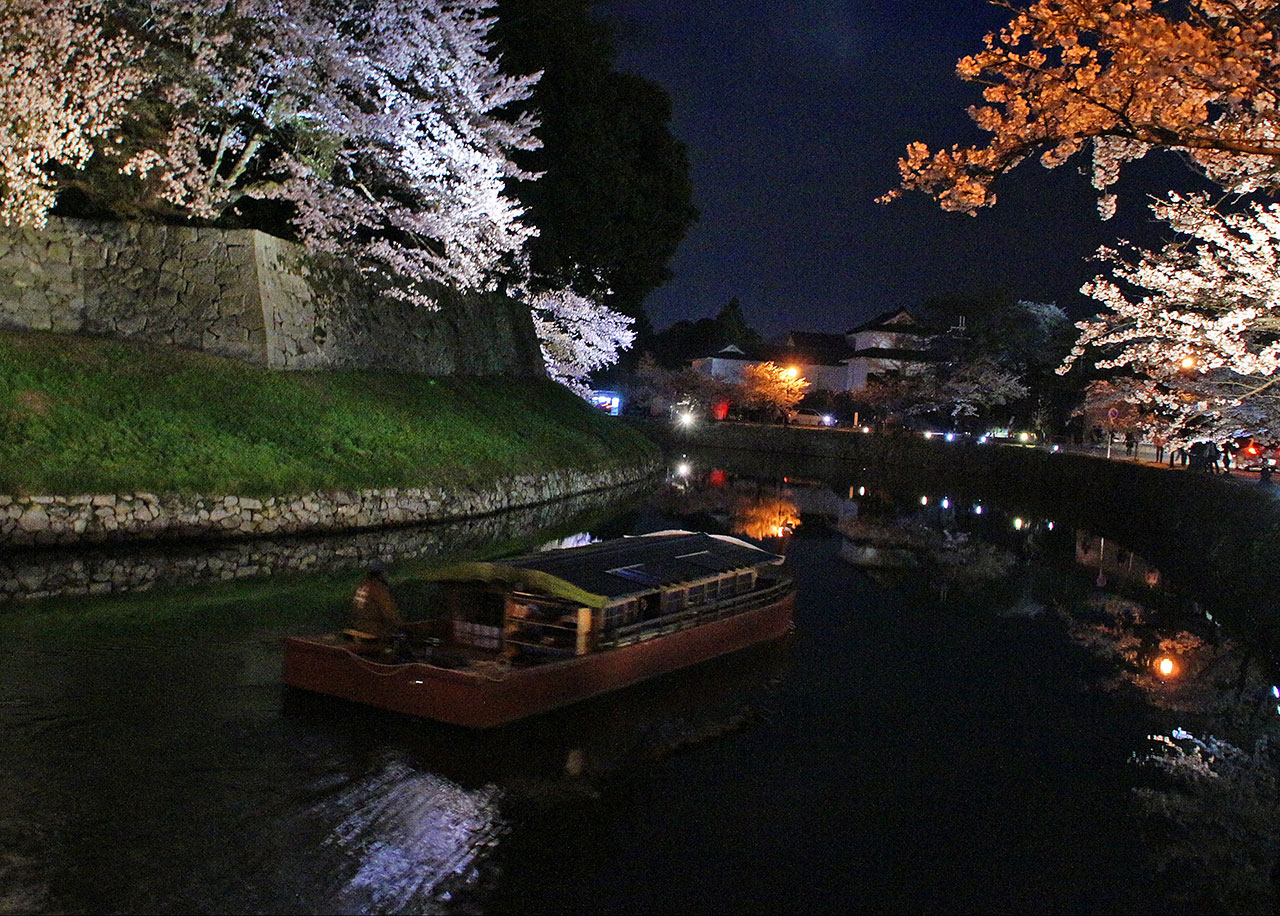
[794, 113]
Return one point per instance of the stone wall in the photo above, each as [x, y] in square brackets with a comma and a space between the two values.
[34, 574]
[249, 296]
[47, 521]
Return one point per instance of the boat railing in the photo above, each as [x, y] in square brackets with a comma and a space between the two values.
[693, 616]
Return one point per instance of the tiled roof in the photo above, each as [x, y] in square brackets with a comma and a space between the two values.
[909, 325]
[632, 565]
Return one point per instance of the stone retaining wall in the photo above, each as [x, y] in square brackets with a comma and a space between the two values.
[46, 521]
[33, 574]
[250, 296]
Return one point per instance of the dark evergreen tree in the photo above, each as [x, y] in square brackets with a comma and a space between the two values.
[614, 199]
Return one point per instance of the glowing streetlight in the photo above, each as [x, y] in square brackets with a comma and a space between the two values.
[791, 372]
[1166, 666]
[1187, 362]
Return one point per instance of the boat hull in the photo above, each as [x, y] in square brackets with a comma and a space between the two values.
[488, 699]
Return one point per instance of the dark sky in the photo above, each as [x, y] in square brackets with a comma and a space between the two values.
[794, 113]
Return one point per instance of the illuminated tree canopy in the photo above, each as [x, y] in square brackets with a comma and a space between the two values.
[378, 125]
[1116, 79]
[1189, 334]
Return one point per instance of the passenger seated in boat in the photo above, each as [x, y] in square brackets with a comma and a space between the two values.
[376, 622]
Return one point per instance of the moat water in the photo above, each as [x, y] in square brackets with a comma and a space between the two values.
[911, 748]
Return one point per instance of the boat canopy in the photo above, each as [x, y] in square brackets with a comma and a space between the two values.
[514, 578]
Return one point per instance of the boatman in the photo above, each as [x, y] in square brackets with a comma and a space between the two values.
[375, 618]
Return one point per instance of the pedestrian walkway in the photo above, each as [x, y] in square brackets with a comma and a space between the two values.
[1144, 453]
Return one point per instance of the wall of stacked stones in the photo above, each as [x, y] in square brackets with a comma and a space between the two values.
[47, 521]
[33, 574]
[249, 296]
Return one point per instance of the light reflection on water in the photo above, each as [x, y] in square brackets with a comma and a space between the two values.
[910, 749]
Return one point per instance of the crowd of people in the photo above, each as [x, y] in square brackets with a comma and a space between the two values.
[1206, 456]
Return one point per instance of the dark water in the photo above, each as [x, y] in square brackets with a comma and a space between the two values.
[899, 753]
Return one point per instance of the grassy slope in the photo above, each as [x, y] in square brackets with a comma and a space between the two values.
[94, 416]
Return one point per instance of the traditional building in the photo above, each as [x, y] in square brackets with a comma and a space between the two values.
[893, 342]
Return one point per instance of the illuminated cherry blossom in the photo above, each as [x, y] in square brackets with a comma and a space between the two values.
[380, 122]
[63, 86]
[1202, 339]
[578, 335]
[1117, 79]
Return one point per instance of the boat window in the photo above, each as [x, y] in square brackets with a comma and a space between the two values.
[673, 600]
[478, 635]
[621, 614]
[743, 582]
[696, 593]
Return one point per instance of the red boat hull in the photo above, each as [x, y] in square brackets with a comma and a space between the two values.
[323, 664]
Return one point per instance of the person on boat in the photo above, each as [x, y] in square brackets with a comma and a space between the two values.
[375, 617]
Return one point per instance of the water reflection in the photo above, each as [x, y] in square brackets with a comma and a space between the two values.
[399, 838]
[1114, 562]
[45, 573]
[713, 498]
[900, 753]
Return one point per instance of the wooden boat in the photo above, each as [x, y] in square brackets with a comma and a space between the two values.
[519, 637]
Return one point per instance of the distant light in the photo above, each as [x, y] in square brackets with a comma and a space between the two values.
[928, 434]
[862, 491]
[946, 503]
[828, 420]
[924, 500]
[1166, 666]
[1050, 526]
[951, 437]
[791, 372]
[683, 469]
[977, 510]
[1275, 692]
[1018, 523]
[1187, 362]
[866, 429]
[982, 439]
[687, 419]
[1055, 448]
[1023, 437]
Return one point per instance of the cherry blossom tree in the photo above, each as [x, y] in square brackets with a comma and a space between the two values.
[380, 123]
[1197, 324]
[1117, 79]
[769, 385]
[578, 335]
[64, 84]
[969, 388]
[1188, 334]
[660, 387]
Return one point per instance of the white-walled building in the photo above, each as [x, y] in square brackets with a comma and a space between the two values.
[893, 342]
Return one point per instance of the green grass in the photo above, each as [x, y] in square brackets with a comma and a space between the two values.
[81, 415]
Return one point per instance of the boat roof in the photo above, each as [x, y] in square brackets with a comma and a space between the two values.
[595, 574]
